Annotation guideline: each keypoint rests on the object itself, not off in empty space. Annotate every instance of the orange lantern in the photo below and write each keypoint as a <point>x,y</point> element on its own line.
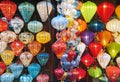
<point>34,47</point>
<point>8,8</point>
<point>3,25</point>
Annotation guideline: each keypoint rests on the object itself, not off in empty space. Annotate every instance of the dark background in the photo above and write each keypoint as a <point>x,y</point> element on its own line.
<point>53,62</point>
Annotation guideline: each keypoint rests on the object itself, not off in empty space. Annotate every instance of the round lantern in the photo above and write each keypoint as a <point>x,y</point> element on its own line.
<point>59,22</point>
<point>43,37</point>
<point>26,37</point>
<point>3,25</point>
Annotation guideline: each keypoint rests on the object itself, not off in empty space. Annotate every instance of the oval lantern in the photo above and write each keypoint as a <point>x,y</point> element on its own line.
<point>87,37</point>
<point>113,73</point>
<point>59,22</point>
<point>44,9</point>
<point>88,7</point>
<point>8,8</point>
<point>42,78</point>
<point>95,72</point>
<point>34,47</point>
<point>7,77</point>
<point>43,37</point>
<point>3,25</point>
<point>105,37</point>
<point>118,61</point>
<point>113,25</point>
<point>3,46</point>
<point>26,9</point>
<point>2,67</point>
<point>17,47</point>
<point>117,11</point>
<point>26,58</point>
<point>59,48</point>
<point>105,10</point>
<point>96,26</point>
<point>7,56</point>
<point>42,58</point>
<point>8,36</point>
<point>87,59</point>
<point>34,26</point>
<point>26,37</point>
<point>95,48</point>
<point>26,78</point>
<point>34,69</point>
<point>16,69</point>
<point>103,59</point>
<point>113,48</point>
<point>17,24</point>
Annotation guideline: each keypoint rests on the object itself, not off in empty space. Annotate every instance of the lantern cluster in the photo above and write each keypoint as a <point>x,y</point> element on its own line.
<point>94,43</point>
<point>21,43</point>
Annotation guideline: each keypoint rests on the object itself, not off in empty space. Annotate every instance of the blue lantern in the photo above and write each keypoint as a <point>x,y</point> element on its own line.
<point>34,69</point>
<point>7,77</point>
<point>42,58</point>
<point>26,78</point>
<point>34,26</point>
<point>26,9</point>
<point>16,69</point>
<point>59,22</point>
<point>78,13</point>
<point>96,26</point>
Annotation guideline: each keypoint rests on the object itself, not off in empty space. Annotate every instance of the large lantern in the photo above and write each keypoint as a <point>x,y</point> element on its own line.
<point>26,9</point>
<point>3,25</point>
<point>8,8</point>
<point>44,9</point>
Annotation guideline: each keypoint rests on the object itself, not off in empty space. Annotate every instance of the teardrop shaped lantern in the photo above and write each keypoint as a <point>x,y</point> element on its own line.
<point>34,26</point>
<point>8,8</point>
<point>3,25</point>
<point>44,9</point>
<point>59,22</point>
<point>26,9</point>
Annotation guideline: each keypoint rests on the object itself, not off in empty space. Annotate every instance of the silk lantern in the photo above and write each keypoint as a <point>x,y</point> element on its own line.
<point>26,78</point>
<point>3,46</point>
<point>103,59</point>
<point>105,37</point>
<point>43,37</point>
<point>8,8</point>
<point>113,73</point>
<point>105,10</point>
<point>42,78</point>
<point>8,36</point>
<point>113,48</point>
<point>17,47</point>
<point>26,58</point>
<point>118,61</point>
<point>34,69</point>
<point>2,67</point>
<point>17,24</point>
<point>87,59</point>
<point>26,37</point>
<point>59,48</point>
<point>26,9</point>
<point>34,47</point>
<point>3,25</point>
<point>59,22</point>
<point>44,9</point>
<point>16,69</point>
<point>71,55</point>
<point>7,56</point>
<point>117,11</point>
<point>81,73</point>
<point>88,7</point>
<point>42,58</point>
<point>95,71</point>
<point>7,77</point>
<point>95,48</point>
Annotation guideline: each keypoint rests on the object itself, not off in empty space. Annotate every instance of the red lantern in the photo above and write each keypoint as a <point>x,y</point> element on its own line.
<point>17,47</point>
<point>87,60</point>
<point>59,48</point>
<point>81,73</point>
<point>105,10</point>
<point>2,67</point>
<point>95,48</point>
<point>59,73</point>
<point>75,74</point>
<point>112,72</point>
<point>8,8</point>
<point>71,55</point>
<point>3,25</point>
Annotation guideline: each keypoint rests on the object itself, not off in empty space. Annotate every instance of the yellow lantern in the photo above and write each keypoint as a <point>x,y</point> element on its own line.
<point>7,56</point>
<point>43,37</point>
<point>117,11</point>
